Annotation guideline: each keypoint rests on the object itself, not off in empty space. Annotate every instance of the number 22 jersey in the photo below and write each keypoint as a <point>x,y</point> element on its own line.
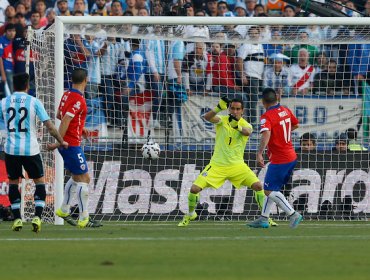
<point>279,121</point>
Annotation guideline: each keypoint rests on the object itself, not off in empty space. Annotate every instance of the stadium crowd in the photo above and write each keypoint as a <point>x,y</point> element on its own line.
<point>181,69</point>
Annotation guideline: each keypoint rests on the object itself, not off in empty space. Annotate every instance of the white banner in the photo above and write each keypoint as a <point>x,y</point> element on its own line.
<point>326,117</point>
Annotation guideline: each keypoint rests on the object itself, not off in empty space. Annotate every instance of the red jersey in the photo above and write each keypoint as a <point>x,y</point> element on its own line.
<point>279,121</point>
<point>222,70</point>
<point>73,104</point>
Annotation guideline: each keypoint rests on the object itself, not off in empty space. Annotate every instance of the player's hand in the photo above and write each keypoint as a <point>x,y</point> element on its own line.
<point>64,145</point>
<point>85,133</point>
<point>260,160</point>
<point>223,104</point>
<point>234,123</point>
<point>53,146</point>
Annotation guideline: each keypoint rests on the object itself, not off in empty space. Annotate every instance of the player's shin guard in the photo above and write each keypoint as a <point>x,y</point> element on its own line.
<point>39,197</point>
<point>15,200</point>
<point>192,201</point>
<point>69,192</point>
<point>259,196</point>
<point>83,199</point>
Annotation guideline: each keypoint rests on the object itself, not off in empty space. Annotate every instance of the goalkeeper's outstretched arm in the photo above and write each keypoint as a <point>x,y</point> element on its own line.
<point>222,105</point>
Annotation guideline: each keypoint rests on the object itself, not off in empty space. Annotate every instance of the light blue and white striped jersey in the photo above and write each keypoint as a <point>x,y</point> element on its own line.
<point>176,51</point>
<point>19,112</point>
<point>155,54</point>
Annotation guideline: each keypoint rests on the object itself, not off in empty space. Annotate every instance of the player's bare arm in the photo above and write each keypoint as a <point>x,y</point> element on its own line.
<point>265,138</point>
<point>54,132</point>
<point>212,117</point>
<point>294,127</point>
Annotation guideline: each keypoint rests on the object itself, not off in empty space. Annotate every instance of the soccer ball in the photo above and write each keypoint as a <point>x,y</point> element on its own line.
<point>151,150</point>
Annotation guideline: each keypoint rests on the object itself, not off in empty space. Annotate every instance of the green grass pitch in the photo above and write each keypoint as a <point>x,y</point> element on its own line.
<point>203,250</point>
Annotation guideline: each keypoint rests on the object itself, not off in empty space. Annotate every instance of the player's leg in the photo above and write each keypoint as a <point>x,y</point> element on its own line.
<point>14,168</point>
<point>35,170</point>
<point>211,176</point>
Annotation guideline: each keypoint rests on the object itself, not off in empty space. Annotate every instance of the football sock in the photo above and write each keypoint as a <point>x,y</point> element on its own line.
<point>15,200</point>
<point>281,202</point>
<point>39,197</point>
<point>266,209</point>
<point>83,199</point>
<point>259,197</point>
<point>192,201</point>
<point>69,191</point>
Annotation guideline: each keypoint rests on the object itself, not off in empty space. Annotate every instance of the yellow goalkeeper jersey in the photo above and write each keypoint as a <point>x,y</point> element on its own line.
<point>230,143</point>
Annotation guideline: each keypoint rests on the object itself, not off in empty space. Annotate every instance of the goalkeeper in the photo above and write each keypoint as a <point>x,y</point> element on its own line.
<point>227,162</point>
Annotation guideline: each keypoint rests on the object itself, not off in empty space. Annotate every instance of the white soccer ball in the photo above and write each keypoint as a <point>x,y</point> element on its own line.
<point>151,150</point>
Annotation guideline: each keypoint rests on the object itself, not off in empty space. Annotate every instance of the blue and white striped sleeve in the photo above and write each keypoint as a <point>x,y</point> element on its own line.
<point>40,111</point>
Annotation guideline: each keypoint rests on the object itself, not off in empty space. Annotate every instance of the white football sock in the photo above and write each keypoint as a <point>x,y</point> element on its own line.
<point>281,202</point>
<point>69,191</point>
<point>83,199</point>
<point>267,204</point>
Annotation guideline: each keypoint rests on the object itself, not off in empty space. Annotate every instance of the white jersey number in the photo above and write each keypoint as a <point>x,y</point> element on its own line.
<point>287,128</point>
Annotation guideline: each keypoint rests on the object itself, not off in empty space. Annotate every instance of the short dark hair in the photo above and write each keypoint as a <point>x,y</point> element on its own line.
<point>351,134</point>
<point>307,137</point>
<point>21,81</point>
<point>9,26</point>
<point>269,96</point>
<point>79,75</point>
<point>237,100</point>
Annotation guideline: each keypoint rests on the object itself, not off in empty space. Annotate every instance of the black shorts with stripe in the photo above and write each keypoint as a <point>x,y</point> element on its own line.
<point>32,164</point>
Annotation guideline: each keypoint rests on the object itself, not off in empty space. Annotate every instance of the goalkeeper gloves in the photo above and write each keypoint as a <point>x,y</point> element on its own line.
<point>223,104</point>
<point>234,123</point>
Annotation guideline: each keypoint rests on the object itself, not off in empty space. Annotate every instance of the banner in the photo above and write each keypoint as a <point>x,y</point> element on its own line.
<point>326,117</point>
<point>323,186</point>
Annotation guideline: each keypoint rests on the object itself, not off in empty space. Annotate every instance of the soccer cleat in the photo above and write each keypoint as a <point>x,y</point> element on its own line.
<point>272,223</point>
<point>65,216</point>
<point>186,220</point>
<point>88,222</point>
<point>295,219</point>
<point>261,222</point>
<point>36,224</point>
<point>17,225</point>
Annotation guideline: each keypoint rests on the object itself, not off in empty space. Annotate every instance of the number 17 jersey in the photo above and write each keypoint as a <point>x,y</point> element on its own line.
<point>279,121</point>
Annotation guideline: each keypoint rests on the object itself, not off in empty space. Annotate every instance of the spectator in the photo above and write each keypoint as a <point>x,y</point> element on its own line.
<point>302,74</point>
<point>80,6</point>
<point>274,48</point>
<point>331,82</point>
<point>28,7</point>
<point>211,8</point>
<point>307,143</point>
<point>251,4</point>
<point>223,70</point>
<point>35,20</point>
<point>176,93</point>
<point>3,5</point>
<point>9,18</point>
<point>6,56</point>
<point>353,144</point>
<point>222,8</point>
<point>41,8</point>
<point>341,144</point>
<point>194,69</point>
<point>62,8</point>
<point>289,32</point>
<point>20,8</point>
<point>350,9</point>
<point>358,58</point>
<point>131,6</point>
<point>277,75</point>
<point>303,39</point>
<point>156,57</point>
<point>136,70</point>
<point>240,9</point>
<point>250,66</point>
<point>116,8</point>
<point>99,7</point>
<point>259,9</point>
<point>50,15</point>
<point>321,63</point>
<point>275,8</point>
<point>157,9</point>
<point>367,8</point>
